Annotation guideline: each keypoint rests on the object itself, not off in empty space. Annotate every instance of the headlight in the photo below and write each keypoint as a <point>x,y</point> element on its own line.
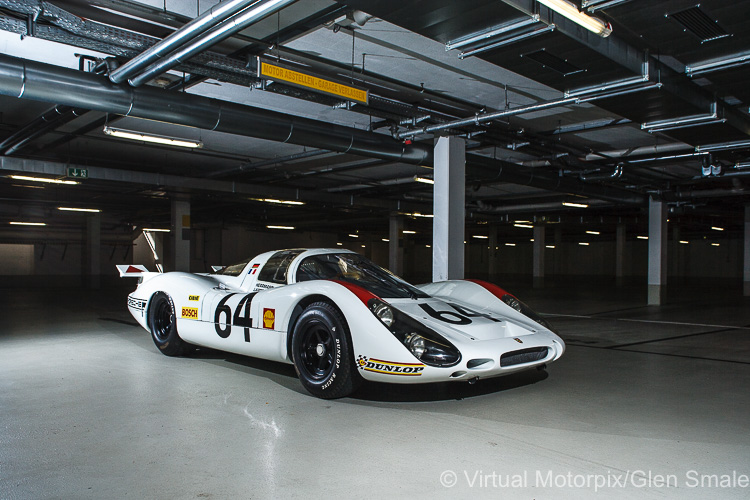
<point>425,344</point>
<point>525,310</point>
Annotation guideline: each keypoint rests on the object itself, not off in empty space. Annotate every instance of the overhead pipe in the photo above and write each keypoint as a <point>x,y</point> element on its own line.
<point>233,25</point>
<point>48,83</point>
<point>47,121</point>
<point>188,32</point>
<point>601,175</point>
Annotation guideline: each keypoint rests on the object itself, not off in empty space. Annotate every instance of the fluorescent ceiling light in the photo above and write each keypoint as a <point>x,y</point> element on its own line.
<point>523,225</point>
<point>157,139</point>
<point>592,232</point>
<point>42,179</point>
<point>28,223</point>
<point>532,239</point>
<point>417,214</point>
<point>339,244</point>
<point>428,246</point>
<point>156,230</point>
<point>571,11</point>
<point>354,235</point>
<point>642,237</point>
<point>522,221</point>
<point>576,205</point>
<point>549,246</point>
<point>406,231</point>
<point>717,228</point>
<point>480,237</point>
<point>423,180</point>
<point>510,244</point>
<point>363,246</point>
<point>684,242</point>
<point>280,227</point>
<point>72,209</point>
<point>274,200</point>
<point>583,243</point>
<point>385,239</point>
<point>714,244</point>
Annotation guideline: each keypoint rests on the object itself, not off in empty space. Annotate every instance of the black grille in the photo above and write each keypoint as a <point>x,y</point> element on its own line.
<point>697,22</point>
<point>523,356</point>
<point>552,62</point>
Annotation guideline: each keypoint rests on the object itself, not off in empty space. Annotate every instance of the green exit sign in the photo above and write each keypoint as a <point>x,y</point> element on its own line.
<point>78,173</point>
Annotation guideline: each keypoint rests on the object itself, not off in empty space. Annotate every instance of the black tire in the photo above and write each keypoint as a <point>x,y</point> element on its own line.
<point>162,320</point>
<point>322,352</point>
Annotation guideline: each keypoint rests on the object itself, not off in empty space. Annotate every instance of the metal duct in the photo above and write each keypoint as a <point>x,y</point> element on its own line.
<point>491,170</point>
<point>601,175</point>
<point>48,121</point>
<point>48,83</point>
<point>233,25</point>
<point>197,26</point>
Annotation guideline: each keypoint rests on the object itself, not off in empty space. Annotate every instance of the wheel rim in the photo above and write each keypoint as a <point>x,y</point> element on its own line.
<point>316,351</point>
<point>163,320</point>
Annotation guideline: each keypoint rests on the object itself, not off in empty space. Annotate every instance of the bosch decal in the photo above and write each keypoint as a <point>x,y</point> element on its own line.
<point>269,318</point>
<point>389,367</point>
<point>190,313</point>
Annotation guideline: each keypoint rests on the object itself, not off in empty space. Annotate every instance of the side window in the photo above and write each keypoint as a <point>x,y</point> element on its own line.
<point>275,269</point>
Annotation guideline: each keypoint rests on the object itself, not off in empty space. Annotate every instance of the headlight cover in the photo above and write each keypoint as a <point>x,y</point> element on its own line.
<point>425,344</point>
<point>519,306</point>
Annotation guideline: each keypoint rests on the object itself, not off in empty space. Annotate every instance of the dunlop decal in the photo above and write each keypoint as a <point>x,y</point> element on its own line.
<point>390,367</point>
<point>190,313</point>
<point>269,318</point>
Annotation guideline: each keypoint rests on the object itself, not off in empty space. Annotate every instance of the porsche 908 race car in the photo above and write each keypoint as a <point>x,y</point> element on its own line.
<point>339,318</point>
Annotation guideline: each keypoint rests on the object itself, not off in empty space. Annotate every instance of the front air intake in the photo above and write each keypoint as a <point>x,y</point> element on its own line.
<point>523,356</point>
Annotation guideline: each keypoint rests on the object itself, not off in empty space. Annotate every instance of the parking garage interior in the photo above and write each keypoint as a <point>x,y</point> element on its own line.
<point>588,156</point>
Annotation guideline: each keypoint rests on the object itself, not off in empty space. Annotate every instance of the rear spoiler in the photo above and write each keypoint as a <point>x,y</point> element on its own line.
<point>135,271</point>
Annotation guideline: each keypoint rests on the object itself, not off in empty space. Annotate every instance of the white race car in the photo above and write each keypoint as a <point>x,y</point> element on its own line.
<point>340,318</point>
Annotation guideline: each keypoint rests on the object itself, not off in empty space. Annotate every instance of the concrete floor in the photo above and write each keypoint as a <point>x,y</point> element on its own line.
<point>647,402</point>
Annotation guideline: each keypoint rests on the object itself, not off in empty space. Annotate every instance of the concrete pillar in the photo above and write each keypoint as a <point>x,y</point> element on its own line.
<point>180,235</point>
<point>449,194</point>
<point>493,253</point>
<point>538,255</point>
<point>746,264</point>
<point>657,252</point>
<point>620,253</point>
<point>396,245</point>
<point>93,250</point>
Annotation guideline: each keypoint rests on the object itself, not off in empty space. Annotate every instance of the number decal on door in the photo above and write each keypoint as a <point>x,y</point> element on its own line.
<point>240,318</point>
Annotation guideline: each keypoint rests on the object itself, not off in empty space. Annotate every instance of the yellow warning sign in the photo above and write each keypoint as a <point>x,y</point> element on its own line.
<point>275,72</point>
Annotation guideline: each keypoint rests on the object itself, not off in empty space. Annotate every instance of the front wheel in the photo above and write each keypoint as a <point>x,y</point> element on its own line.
<point>322,352</point>
<point>162,320</point>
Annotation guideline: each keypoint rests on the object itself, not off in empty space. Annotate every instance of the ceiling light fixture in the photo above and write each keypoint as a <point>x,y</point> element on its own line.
<point>42,179</point>
<point>642,237</point>
<point>576,205</point>
<point>282,202</point>
<point>717,228</point>
<point>523,225</point>
<point>684,242</point>
<point>714,244</point>
<point>569,10</point>
<point>157,139</point>
<point>549,246</point>
<point>593,232</point>
<point>583,243</point>
<point>510,244</point>
<point>354,235</point>
<point>406,231</point>
<point>14,223</point>
<point>418,214</point>
<point>156,230</point>
<point>72,209</point>
<point>288,228</point>
<point>423,180</point>
<point>480,237</point>
<point>385,239</point>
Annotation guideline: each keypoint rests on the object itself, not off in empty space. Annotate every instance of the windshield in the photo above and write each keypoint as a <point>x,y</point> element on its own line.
<point>233,270</point>
<point>353,268</point>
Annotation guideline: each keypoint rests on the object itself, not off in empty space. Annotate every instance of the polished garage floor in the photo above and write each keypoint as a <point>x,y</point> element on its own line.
<point>647,402</point>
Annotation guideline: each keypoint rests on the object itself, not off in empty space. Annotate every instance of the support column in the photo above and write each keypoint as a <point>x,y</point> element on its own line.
<point>180,235</point>
<point>93,250</point>
<point>538,257</point>
<point>396,245</point>
<point>657,251</point>
<point>746,265</point>
<point>493,253</point>
<point>449,194</point>
<point>620,253</point>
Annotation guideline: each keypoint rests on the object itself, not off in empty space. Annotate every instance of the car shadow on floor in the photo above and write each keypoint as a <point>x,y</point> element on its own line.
<point>446,391</point>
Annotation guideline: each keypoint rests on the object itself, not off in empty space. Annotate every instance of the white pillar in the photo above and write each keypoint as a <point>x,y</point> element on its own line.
<point>538,256</point>
<point>180,235</point>
<point>746,265</point>
<point>620,252</point>
<point>93,250</point>
<point>657,251</point>
<point>449,200</point>
<point>396,245</point>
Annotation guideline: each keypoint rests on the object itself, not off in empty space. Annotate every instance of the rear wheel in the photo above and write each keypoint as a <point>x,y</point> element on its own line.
<point>162,320</point>
<point>322,352</point>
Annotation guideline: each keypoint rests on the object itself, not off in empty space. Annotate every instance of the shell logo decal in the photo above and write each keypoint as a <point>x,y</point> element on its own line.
<point>269,318</point>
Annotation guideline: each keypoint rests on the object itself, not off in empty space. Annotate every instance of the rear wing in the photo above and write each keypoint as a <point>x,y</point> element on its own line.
<point>129,271</point>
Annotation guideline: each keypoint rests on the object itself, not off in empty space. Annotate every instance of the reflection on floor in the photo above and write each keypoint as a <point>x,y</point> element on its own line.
<point>647,401</point>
